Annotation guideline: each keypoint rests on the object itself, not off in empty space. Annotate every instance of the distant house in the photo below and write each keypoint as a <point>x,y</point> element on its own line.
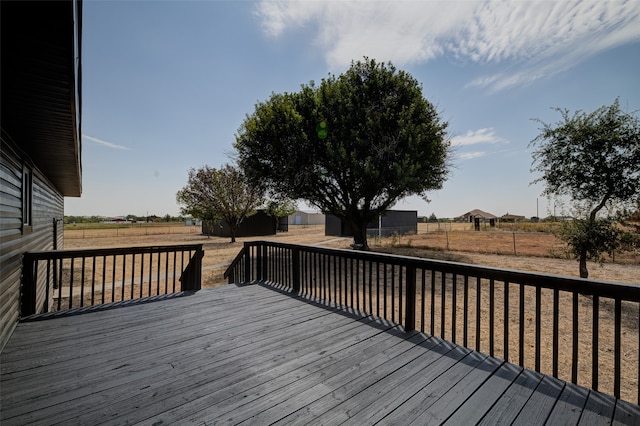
<point>511,218</point>
<point>392,221</point>
<point>557,218</point>
<point>306,218</point>
<point>478,216</point>
<point>257,225</point>
<point>116,220</point>
<point>40,139</point>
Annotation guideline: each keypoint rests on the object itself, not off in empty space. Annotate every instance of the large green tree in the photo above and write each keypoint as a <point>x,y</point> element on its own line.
<point>352,146</point>
<point>594,159</point>
<point>220,194</point>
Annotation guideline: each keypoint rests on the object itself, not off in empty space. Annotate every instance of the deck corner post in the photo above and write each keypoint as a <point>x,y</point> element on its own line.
<point>197,279</point>
<point>410,306</point>
<point>28,290</point>
<point>247,261</point>
<point>295,255</point>
<point>265,255</point>
<point>259,261</point>
<point>192,275</point>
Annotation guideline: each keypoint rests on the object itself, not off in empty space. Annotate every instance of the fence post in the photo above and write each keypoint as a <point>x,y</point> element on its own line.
<point>410,306</point>
<point>295,258</point>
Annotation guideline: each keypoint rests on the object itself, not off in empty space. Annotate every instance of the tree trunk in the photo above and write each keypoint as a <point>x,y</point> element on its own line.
<point>360,236</point>
<point>233,227</point>
<point>233,230</point>
<point>584,273</point>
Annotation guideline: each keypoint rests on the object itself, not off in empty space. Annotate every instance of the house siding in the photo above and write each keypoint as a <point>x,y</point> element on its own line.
<point>304,218</point>
<point>46,231</point>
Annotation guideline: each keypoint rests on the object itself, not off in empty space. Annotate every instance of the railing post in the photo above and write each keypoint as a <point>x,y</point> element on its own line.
<point>259,261</point>
<point>192,275</point>
<point>295,258</point>
<point>197,277</point>
<point>264,249</point>
<point>410,297</point>
<point>247,262</point>
<point>28,296</point>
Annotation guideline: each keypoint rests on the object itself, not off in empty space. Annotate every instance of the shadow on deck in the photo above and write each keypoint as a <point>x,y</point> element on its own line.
<point>256,354</point>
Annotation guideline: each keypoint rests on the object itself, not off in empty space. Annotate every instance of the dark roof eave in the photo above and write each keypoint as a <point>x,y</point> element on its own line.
<point>41,87</point>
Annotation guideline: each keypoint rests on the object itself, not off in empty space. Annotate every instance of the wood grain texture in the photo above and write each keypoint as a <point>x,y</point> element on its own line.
<point>251,354</point>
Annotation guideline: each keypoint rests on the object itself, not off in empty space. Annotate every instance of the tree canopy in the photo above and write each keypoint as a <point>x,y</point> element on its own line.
<point>594,159</point>
<point>352,146</point>
<point>220,194</point>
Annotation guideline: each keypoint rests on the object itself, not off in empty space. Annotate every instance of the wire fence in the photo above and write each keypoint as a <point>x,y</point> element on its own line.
<point>129,231</point>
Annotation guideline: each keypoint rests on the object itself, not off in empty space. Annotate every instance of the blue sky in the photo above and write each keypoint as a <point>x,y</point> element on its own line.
<point>166,84</point>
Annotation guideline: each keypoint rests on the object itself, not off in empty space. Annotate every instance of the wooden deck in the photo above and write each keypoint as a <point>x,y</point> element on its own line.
<point>254,355</point>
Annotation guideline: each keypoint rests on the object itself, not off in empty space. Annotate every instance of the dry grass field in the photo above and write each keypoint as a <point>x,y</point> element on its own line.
<point>490,248</point>
<point>219,252</point>
<point>452,242</point>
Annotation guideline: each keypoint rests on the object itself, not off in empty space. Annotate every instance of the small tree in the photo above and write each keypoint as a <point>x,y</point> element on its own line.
<point>594,159</point>
<point>594,238</point>
<point>224,194</point>
<point>352,146</point>
<point>280,207</point>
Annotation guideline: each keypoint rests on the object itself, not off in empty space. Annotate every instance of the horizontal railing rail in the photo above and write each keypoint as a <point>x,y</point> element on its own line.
<point>66,279</point>
<point>578,330</point>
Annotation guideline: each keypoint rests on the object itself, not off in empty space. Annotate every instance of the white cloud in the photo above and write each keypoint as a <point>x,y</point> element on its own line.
<point>474,137</point>
<point>470,155</point>
<point>536,38</point>
<point>485,135</point>
<point>277,16</point>
<point>105,143</point>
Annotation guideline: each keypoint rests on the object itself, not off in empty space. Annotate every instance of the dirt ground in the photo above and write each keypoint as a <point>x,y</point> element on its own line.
<point>468,248</point>
<point>219,252</point>
<point>480,249</point>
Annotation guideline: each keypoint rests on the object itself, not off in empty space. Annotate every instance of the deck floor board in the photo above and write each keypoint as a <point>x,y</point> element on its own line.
<point>478,404</point>
<point>254,354</point>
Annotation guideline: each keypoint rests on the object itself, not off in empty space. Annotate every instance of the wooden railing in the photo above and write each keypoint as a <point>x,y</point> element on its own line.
<point>578,330</point>
<point>66,279</point>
